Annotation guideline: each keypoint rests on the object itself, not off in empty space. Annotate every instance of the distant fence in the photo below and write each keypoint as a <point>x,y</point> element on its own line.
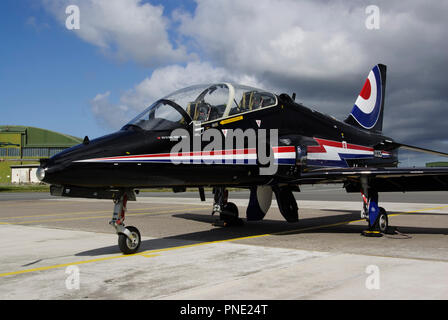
<point>9,152</point>
<point>29,152</point>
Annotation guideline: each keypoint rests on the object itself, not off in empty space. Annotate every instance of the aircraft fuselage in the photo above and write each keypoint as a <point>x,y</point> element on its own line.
<point>126,158</point>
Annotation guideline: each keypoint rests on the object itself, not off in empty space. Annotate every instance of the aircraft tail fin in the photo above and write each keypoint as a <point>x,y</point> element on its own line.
<point>367,113</point>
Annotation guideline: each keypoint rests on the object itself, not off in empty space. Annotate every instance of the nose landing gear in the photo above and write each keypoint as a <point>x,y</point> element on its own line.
<point>129,238</point>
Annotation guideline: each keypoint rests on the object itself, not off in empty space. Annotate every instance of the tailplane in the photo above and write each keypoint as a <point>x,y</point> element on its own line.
<point>367,113</point>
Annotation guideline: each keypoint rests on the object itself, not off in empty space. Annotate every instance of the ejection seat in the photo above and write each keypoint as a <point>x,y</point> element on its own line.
<point>199,111</point>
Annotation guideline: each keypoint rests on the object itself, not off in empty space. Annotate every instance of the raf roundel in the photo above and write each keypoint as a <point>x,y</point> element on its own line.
<point>366,110</point>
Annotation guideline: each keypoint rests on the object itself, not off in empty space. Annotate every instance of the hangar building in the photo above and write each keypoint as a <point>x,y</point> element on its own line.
<point>20,144</point>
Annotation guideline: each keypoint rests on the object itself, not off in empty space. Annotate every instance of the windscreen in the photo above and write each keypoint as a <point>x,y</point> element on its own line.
<point>159,116</point>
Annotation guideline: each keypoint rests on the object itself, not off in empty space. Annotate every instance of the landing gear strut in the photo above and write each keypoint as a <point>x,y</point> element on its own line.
<point>129,238</point>
<point>375,216</point>
<point>228,211</point>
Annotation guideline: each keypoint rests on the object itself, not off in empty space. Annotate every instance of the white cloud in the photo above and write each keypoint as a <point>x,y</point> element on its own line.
<point>320,40</point>
<point>127,30</point>
<point>290,37</point>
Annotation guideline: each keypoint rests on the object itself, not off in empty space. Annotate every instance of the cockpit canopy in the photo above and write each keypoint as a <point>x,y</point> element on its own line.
<point>202,103</point>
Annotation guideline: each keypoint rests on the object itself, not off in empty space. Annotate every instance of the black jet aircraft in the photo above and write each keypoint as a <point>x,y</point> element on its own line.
<point>309,148</point>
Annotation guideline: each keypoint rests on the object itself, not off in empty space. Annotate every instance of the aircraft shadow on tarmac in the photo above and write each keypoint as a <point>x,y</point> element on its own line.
<point>335,224</point>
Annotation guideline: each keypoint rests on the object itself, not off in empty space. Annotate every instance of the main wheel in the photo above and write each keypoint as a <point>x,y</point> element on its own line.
<point>229,215</point>
<point>128,246</point>
<point>383,222</point>
<point>287,204</point>
<point>230,209</point>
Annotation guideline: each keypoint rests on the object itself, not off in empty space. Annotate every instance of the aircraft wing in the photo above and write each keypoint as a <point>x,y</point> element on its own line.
<point>390,145</point>
<point>382,179</point>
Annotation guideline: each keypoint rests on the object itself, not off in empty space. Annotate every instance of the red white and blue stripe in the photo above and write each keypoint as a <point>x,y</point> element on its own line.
<point>330,153</point>
<point>285,155</point>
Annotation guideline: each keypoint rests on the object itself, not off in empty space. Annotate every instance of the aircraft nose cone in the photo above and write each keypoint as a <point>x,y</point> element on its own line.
<point>40,173</point>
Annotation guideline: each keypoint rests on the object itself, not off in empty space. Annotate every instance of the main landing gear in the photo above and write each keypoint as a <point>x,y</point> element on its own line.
<point>228,211</point>
<point>129,238</point>
<point>375,216</point>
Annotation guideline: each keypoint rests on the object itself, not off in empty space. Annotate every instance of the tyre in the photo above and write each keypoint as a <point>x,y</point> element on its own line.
<point>230,209</point>
<point>126,245</point>
<point>287,204</point>
<point>229,215</point>
<point>383,223</point>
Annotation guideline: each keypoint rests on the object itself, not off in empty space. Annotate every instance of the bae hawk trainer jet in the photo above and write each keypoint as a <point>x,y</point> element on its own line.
<point>308,147</point>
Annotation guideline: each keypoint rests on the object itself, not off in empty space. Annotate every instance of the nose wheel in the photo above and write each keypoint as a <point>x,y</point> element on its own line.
<point>129,245</point>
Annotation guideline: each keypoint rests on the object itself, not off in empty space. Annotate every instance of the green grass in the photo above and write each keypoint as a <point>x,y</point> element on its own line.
<point>5,171</point>
<point>24,188</point>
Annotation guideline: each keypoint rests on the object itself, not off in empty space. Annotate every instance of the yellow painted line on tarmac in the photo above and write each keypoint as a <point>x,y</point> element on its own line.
<point>60,266</point>
<point>153,253</point>
<point>150,255</point>
<point>362,220</point>
<point>77,213</point>
<point>358,220</point>
<point>104,216</point>
<point>33,202</point>
<point>419,210</point>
